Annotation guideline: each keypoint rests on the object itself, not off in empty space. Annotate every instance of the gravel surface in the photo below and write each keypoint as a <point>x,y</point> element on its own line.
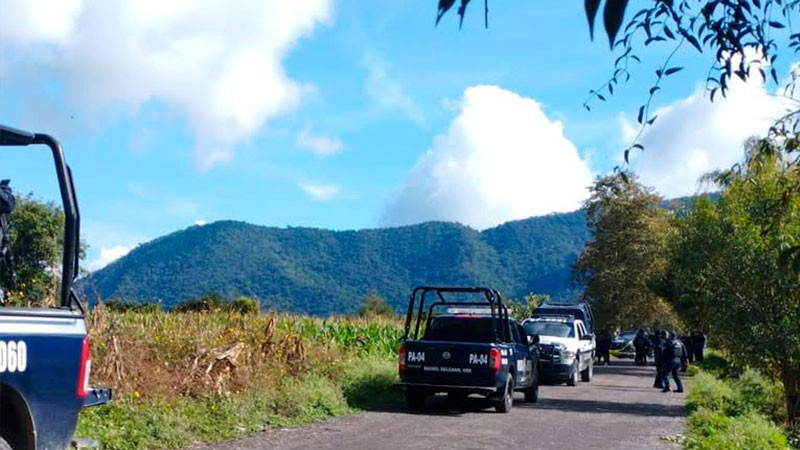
<point>618,409</point>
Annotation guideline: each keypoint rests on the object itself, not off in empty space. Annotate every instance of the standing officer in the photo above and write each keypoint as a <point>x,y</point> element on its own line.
<point>674,356</point>
<point>604,347</point>
<point>698,345</point>
<point>640,345</point>
<point>688,344</point>
<point>658,350</point>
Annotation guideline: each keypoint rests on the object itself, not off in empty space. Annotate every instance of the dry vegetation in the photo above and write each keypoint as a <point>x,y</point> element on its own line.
<point>181,378</point>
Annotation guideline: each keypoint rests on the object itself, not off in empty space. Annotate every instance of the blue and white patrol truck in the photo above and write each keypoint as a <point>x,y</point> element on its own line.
<point>44,352</point>
<point>463,347</point>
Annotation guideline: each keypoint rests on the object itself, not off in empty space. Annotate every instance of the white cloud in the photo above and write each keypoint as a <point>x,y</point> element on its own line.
<point>321,192</point>
<point>501,159</point>
<point>318,144</point>
<point>107,256</point>
<point>216,63</point>
<point>388,93</point>
<point>200,223</point>
<point>693,136</point>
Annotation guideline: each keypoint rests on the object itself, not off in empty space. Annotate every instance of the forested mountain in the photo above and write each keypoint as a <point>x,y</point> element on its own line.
<point>321,272</point>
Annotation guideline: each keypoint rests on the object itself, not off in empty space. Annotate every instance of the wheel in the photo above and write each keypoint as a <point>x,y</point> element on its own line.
<point>586,374</point>
<point>532,393</point>
<point>415,399</point>
<point>4,445</point>
<point>573,375</point>
<point>504,404</point>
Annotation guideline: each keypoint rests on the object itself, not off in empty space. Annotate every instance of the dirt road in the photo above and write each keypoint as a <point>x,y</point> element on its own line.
<point>619,409</point>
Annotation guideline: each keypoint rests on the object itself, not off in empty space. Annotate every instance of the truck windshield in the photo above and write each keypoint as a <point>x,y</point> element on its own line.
<point>462,329</point>
<point>554,329</point>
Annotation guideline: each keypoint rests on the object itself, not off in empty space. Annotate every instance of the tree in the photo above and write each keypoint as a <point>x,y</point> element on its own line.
<point>37,239</point>
<point>730,265</point>
<point>375,305</point>
<point>523,309</point>
<point>626,253</point>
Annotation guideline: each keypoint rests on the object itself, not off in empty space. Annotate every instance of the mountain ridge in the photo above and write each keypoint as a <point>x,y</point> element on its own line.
<point>320,272</point>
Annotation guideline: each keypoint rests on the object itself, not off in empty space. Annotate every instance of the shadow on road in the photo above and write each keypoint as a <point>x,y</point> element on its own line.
<point>599,406</point>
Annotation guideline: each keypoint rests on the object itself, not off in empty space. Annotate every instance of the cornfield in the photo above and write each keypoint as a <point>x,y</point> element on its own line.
<point>157,354</point>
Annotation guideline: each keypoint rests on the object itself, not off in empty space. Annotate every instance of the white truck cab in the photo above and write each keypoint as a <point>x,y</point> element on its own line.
<point>566,349</point>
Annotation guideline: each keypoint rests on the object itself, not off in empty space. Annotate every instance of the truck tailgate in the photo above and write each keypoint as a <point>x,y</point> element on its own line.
<point>448,364</point>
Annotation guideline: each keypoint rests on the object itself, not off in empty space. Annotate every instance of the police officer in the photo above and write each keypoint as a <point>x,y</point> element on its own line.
<point>688,344</point>
<point>604,347</point>
<point>658,350</point>
<point>640,345</point>
<point>674,357</point>
<point>698,345</point>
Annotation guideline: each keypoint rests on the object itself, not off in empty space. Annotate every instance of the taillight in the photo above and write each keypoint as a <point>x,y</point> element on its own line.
<point>85,368</point>
<point>494,360</point>
<point>401,358</point>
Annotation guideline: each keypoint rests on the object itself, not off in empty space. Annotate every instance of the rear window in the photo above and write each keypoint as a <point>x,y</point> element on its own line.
<point>462,329</point>
<point>554,329</point>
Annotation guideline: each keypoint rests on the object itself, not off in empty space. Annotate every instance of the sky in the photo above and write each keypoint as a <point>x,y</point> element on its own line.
<point>340,114</point>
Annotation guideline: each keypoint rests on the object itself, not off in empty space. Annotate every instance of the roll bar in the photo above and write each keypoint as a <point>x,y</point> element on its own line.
<point>492,297</point>
<point>69,263</point>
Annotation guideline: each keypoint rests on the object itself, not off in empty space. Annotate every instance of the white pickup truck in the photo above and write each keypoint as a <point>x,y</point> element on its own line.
<point>566,349</point>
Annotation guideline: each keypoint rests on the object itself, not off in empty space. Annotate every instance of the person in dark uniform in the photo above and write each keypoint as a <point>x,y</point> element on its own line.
<point>604,347</point>
<point>698,345</point>
<point>674,356</point>
<point>658,350</point>
<point>687,340</point>
<point>640,346</point>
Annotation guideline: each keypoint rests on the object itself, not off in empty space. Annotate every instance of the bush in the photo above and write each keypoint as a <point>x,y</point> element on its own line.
<point>375,305</point>
<point>712,430</point>
<point>132,306</point>
<point>756,393</point>
<point>211,302</point>
<point>243,305</point>
<point>711,393</point>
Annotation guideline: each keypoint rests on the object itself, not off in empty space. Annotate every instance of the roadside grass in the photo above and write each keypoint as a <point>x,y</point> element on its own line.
<point>733,409</point>
<point>188,378</point>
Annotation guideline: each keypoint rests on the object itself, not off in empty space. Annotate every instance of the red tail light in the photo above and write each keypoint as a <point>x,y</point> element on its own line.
<point>494,359</point>
<point>85,368</point>
<point>401,358</point>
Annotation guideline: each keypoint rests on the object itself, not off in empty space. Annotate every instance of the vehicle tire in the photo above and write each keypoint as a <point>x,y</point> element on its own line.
<point>4,445</point>
<point>506,401</point>
<point>532,393</point>
<point>415,399</point>
<point>573,375</point>
<point>586,374</point>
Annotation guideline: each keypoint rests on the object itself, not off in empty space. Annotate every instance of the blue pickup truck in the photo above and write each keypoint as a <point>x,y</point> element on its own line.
<point>462,347</point>
<point>44,352</point>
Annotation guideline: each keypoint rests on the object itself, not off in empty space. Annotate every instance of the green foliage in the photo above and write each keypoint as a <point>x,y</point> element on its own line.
<point>741,412</point>
<point>712,430</point>
<point>243,305</point>
<point>131,306</point>
<point>626,254</point>
<point>523,309</point>
<point>210,302</point>
<point>728,271</point>
<point>37,236</point>
<point>375,305</point>
<point>323,272</point>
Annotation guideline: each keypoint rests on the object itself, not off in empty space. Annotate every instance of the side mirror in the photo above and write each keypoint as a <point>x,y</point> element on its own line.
<point>533,339</point>
<point>587,337</point>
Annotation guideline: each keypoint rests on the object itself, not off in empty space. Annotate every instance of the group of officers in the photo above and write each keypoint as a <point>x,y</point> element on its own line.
<point>672,353</point>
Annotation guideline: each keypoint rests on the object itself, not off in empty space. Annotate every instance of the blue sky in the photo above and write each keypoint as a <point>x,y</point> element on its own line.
<point>337,114</point>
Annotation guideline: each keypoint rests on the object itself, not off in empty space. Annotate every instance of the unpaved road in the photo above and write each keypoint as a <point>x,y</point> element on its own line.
<point>619,409</point>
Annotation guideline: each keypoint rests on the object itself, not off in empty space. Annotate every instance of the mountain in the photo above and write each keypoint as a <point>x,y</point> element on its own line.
<point>323,272</point>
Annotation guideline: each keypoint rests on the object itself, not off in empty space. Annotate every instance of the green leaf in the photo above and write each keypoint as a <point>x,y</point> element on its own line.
<point>591,7</point>
<point>444,6</point>
<point>613,15</point>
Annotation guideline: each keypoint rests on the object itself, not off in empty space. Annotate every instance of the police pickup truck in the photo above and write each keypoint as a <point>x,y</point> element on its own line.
<point>566,349</point>
<point>465,347</point>
<point>44,352</point>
